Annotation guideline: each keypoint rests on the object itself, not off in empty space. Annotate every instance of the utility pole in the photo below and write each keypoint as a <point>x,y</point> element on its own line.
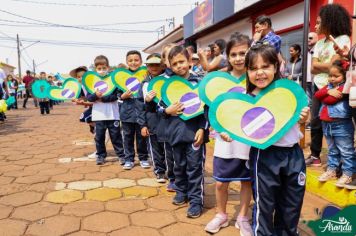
<point>34,66</point>
<point>171,22</point>
<point>19,55</point>
<point>305,57</point>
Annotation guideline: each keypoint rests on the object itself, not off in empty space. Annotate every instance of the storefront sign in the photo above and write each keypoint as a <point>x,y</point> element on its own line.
<point>203,15</point>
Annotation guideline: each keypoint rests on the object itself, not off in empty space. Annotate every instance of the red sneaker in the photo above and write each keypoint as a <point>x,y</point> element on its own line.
<point>313,161</point>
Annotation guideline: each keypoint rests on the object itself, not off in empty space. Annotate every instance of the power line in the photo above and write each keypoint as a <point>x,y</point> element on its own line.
<point>76,43</point>
<point>102,5</point>
<point>46,23</point>
<point>107,24</point>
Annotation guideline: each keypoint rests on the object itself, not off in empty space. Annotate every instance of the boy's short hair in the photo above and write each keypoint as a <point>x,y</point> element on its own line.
<point>101,60</point>
<point>264,19</point>
<point>42,73</point>
<point>133,52</point>
<point>178,50</point>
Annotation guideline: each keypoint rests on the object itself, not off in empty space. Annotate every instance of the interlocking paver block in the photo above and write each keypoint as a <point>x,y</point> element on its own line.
<point>140,191</point>
<point>88,233</point>
<point>126,206</point>
<point>5,211</point>
<point>181,229</point>
<point>103,194</point>
<point>20,199</point>
<point>135,231</point>
<point>84,185</point>
<point>60,186</point>
<point>105,222</point>
<point>82,208</point>
<point>69,177</point>
<point>32,179</point>
<point>162,203</point>
<point>149,182</point>
<point>64,196</point>
<point>56,225</point>
<point>132,174</point>
<point>100,176</point>
<point>119,183</point>
<point>12,227</point>
<point>36,211</point>
<point>5,180</point>
<point>152,219</point>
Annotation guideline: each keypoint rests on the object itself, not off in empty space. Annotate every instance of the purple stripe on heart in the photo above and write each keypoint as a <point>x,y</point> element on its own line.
<point>135,81</point>
<point>67,93</point>
<point>263,123</point>
<point>191,108</point>
<point>237,89</point>
<point>101,86</point>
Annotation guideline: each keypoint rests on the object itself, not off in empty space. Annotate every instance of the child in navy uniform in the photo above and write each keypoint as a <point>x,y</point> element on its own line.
<point>148,118</point>
<point>43,102</point>
<point>187,139</point>
<point>278,172</point>
<point>105,114</point>
<point>128,114</point>
<point>161,128</point>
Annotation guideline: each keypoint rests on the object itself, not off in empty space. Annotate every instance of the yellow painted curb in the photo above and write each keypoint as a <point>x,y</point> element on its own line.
<point>328,190</point>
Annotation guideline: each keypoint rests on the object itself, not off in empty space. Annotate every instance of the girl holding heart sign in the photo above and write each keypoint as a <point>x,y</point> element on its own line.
<point>230,158</point>
<point>278,172</point>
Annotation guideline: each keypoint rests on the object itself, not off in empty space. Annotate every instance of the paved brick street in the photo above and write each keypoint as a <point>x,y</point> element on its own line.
<point>49,187</point>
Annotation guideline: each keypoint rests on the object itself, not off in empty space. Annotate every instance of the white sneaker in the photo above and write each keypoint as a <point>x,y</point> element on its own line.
<point>93,155</point>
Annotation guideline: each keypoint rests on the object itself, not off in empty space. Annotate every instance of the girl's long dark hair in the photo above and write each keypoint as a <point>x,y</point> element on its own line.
<point>335,20</point>
<point>268,54</point>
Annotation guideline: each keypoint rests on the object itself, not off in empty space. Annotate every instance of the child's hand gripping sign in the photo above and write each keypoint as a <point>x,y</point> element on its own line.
<point>183,96</point>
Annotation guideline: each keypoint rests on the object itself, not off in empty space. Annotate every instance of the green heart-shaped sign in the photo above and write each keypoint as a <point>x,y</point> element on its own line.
<point>178,89</point>
<point>156,84</point>
<point>262,120</point>
<point>217,83</point>
<point>69,90</point>
<point>92,81</point>
<point>40,88</point>
<point>125,79</point>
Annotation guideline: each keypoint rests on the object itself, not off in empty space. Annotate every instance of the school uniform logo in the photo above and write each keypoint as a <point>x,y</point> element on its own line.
<point>301,179</point>
<point>116,124</point>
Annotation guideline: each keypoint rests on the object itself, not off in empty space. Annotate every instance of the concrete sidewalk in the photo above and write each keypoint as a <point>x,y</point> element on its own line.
<point>49,187</point>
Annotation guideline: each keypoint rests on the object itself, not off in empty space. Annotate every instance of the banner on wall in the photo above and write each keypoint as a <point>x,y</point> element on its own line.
<point>203,15</point>
<point>242,4</point>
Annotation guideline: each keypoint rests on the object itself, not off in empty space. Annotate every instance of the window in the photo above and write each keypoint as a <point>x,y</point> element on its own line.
<point>289,38</point>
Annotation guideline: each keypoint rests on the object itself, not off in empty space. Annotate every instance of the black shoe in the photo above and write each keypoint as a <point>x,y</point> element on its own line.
<point>121,161</point>
<point>194,211</point>
<point>161,178</point>
<point>179,200</point>
<point>100,161</point>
